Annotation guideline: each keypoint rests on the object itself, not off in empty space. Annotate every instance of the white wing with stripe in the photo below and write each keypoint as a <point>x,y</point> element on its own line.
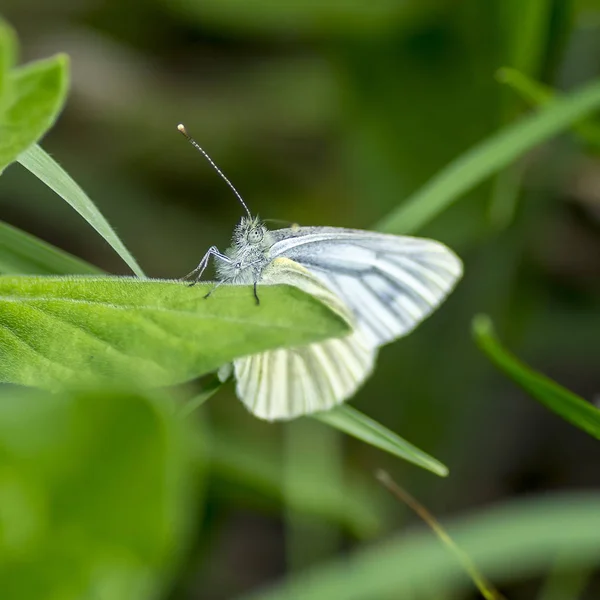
<point>286,383</point>
<point>391,283</point>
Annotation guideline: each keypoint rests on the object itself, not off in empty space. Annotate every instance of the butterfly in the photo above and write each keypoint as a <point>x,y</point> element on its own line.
<point>383,285</point>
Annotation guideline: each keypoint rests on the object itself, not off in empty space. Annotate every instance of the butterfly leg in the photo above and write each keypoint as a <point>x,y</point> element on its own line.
<point>256,293</point>
<point>214,288</point>
<point>197,272</point>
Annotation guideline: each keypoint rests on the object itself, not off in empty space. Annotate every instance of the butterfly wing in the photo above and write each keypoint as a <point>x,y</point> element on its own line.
<point>286,383</point>
<point>390,283</point>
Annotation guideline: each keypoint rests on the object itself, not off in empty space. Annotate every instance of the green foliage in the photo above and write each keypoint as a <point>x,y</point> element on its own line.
<point>60,331</point>
<point>558,399</point>
<point>402,90</point>
<point>95,491</point>
<point>24,254</point>
<point>31,98</point>
<point>354,423</point>
<point>260,466</point>
<point>488,157</point>
<point>309,16</point>
<point>537,94</point>
<point>508,542</point>
<point>43,166</point>
<point>8,51</point>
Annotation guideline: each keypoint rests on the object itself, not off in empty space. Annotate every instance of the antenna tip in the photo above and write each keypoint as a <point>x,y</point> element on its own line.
<point>182,128</point>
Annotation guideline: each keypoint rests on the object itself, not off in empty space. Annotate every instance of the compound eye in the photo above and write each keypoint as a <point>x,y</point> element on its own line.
<point>255,235</point>
<point>238,265</point>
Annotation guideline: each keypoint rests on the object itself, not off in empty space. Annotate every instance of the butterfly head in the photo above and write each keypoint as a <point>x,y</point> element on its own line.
<point>251,231</point>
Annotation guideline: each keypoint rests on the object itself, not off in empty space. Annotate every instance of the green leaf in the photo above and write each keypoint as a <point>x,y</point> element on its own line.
<point>57,331</point>
<point>515,540</point>
<point>490,156</point>
<point>24,254</point>
<point>558,399</point>
<point>43,166</point>
<point>38,91</point>
<point>354,423</point>
<point>94,494</point>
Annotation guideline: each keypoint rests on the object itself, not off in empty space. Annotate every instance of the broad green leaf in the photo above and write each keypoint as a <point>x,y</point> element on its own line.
<point>8,52</point>
<point>515,540</point>
<point>37,94</point>
<point>354,423</point>
<point>490,156</point>
<point>24,254</point>
<point>57,331</point>
<point>558,399</point>
<point>43,166</point>
<point>95,492</point>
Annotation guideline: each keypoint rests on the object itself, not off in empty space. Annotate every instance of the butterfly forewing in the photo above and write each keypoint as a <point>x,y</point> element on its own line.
<point>391,283</point>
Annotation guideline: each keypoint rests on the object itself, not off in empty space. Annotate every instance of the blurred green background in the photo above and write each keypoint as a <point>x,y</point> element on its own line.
<point>330,113</point>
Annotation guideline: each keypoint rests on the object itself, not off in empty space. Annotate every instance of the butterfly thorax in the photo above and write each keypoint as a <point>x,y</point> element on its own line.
<point>249,252</point>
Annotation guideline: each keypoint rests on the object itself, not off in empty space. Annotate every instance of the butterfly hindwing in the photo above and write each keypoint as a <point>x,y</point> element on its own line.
<point>288,382</point>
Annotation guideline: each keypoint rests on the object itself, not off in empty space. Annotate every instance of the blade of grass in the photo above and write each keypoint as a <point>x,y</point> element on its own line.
<point>529,26</point>
<point>565,582</point>
<point>517,539</point>
<point>8,57</point>
<point>257,465</point>
<point>538,94</point>
<point>484,586</point>
<point>43,166</point>
<point>558,399</point>
<point>199,399</point>
<point>311,453</point>
<point>24,254</point>
<point>489,157</point>
<point>354,423</point>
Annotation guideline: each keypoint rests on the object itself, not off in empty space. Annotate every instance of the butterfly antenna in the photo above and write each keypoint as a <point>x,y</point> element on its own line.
<point>196,145</point>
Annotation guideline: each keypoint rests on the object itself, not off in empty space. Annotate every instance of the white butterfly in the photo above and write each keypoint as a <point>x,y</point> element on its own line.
<point>383,285</point>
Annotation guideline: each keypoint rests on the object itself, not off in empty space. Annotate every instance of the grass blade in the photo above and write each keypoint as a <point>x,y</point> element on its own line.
<point>537,94</point>
<point>558,399</point>
<point>44,167</point>
<point>515,540</point>
<point>488,157</point>
<point>354,423</point>
<point>485,588</point>
<point>24,254</point>
<point>198,400</point>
